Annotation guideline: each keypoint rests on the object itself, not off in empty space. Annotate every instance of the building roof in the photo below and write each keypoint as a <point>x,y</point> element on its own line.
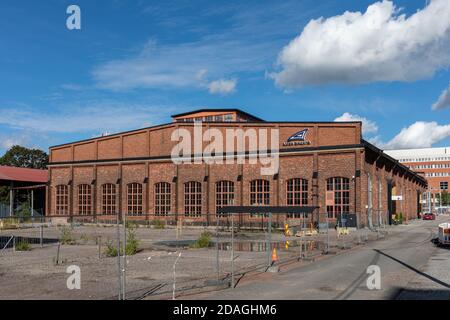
<point>393,160</point>
<point>217,110</point>
<point>415,153</point>
<point>23,174</point>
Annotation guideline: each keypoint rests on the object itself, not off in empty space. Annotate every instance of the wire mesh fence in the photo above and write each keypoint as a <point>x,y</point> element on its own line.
<point>156,257</point>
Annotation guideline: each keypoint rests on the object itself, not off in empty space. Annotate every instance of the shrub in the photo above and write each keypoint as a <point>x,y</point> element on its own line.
<point>111,250</point>
<point>158,224</point>
<point>84,238</point>
<point>131,248</point>
<point>66,235</point>
<point>130,224</point>
<point>132,242</point>
<point>23,245</point>
<point>204,241</point>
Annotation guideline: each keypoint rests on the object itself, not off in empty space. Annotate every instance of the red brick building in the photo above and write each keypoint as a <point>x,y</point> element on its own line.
<point>322,164</point>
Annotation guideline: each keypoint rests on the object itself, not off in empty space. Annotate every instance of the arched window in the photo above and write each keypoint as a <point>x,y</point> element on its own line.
<point>259,192</point>
<point>84,199</point>
<point>338,196</point>
<point>192,199</point>
<point>162,198</point>
<point>62,199</point>
<point>296,194</point>
<point>109,198</point>
<point>134,195</point>
<point>224,194</point>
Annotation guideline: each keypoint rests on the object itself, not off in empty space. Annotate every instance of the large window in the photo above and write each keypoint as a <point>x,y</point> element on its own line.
<point>224,194</point>
<point>443,185</point>
<point>62,200</point>
<point>134,194</point>
<point>192,199</point>
<point>339,202</point>
<point>296,194</point>
<point>260,192</point>
<point>162,198</point>
<point>84,199</point>
<point>109,198</point>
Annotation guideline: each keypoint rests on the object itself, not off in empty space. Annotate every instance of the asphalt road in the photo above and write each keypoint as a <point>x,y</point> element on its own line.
<point>402,256</point>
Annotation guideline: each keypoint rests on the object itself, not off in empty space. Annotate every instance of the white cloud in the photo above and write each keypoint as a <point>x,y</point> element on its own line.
<point>222,86</point>
<point>180,65</point>
<point>368,126</point>
<point>418,135</point>
<point>378,45</point>
<point>6,142</point>
<point>443,101</point>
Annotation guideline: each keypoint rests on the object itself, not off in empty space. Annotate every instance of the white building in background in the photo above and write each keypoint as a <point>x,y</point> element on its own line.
<point>433,164</point>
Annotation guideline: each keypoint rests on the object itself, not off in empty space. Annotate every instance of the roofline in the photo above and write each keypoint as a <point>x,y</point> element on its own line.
<point>191,123</point>
<point>217,110</point>
<point>385,155</point>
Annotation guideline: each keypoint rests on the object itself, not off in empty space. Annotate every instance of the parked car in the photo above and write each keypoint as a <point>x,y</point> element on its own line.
<point>429,216</point>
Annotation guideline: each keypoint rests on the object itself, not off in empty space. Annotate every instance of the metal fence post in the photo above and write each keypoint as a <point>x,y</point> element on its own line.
<point>232,251</point>
<point>119,274</point>
<point>217,248</point>
<point>269,240</point>
<point>99,242</point>
<point>41,236</point>
<point>124,256</point>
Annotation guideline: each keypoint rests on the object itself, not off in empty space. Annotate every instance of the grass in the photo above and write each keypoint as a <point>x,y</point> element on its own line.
<point>158,224</point>
<point>131,248</point>
<point>204,241</point>
<point>23,245</point>
<point>111,250</point>
<point>10,223</point>
<point>66,236</point>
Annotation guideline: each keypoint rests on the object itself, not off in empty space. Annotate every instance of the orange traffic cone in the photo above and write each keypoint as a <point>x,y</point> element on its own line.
<point>274,255</point>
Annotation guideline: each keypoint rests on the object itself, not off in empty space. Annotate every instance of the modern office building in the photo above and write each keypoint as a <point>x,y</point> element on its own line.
<point>433,164</point>
<point>326,165</point>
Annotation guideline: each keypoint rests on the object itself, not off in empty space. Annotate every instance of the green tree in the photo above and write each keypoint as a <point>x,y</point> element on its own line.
<point>445,198</point>
<point>19,156</point>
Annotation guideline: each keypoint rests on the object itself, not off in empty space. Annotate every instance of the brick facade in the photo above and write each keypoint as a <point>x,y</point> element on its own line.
<point>143,156</point>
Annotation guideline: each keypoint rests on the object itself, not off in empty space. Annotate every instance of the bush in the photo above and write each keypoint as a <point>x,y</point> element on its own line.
<point>111,250</point>
<point>131,248</point>
<point>23,245</point>
<point>66,235</point>
<point>158,224</point>
<point>204,241</point>
<point>132,243</point>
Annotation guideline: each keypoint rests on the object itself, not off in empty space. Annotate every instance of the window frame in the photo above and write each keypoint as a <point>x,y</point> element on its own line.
<point>62,200</point>
<point>193,201</point>
<point>224,194</point>
<point>109,201</point>
<point>84,199</point>
<point>297,194</point>
<point>341,196</point>
<point>163,198</point>
<point>135,199</point>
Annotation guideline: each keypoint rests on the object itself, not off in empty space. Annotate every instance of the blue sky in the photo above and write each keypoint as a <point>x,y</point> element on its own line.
<point>134,63</point>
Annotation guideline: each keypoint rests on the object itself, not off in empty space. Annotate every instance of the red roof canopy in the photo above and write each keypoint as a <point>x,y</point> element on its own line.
<point>23,174</point>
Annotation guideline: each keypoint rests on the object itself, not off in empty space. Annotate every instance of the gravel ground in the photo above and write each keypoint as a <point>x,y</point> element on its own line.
<point>34,274</point>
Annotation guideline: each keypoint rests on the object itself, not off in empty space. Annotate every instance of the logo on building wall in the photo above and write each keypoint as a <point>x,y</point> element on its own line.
<point>298,139</point>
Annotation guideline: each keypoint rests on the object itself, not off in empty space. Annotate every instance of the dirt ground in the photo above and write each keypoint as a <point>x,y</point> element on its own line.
<point>34,274</point>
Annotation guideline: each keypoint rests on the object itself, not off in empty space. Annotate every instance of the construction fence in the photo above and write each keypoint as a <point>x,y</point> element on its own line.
<point>159,258</point>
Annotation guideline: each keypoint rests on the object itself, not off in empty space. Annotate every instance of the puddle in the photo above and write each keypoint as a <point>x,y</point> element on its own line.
<point>251,246</point>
